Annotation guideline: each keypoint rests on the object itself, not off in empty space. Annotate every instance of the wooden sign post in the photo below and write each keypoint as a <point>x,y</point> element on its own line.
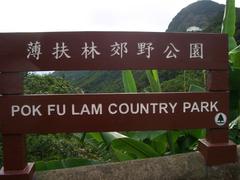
<point>22,114</point>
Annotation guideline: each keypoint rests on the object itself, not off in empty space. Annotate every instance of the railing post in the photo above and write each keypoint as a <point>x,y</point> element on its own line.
<point>15,165</point>
<point>216,147</point>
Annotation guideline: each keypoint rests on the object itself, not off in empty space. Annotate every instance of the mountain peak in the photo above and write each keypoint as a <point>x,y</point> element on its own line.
<point>199,14</point>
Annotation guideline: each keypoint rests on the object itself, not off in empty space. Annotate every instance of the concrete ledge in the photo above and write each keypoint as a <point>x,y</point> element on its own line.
<point>181,166</point>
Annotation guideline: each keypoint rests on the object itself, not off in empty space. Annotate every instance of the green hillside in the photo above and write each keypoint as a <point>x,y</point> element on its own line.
<point>109,81</point>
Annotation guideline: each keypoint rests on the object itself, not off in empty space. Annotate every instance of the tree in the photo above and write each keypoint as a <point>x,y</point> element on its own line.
<point>47,84</point>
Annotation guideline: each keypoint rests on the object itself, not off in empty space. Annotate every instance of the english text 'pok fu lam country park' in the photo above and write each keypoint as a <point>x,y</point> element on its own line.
<point>114,108</point>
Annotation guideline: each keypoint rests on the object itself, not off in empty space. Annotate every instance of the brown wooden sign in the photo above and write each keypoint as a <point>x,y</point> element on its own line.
<point>111,51</point>
<point>113,112</point>
<point>20,114</point>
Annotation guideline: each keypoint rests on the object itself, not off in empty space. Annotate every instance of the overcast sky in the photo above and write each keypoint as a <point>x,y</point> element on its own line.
<point>90,15</point>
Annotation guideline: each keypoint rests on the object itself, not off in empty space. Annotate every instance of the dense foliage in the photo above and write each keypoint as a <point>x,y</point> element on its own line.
<point>54,150</point>
<point>46,84</point>
<point>109,81</point>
